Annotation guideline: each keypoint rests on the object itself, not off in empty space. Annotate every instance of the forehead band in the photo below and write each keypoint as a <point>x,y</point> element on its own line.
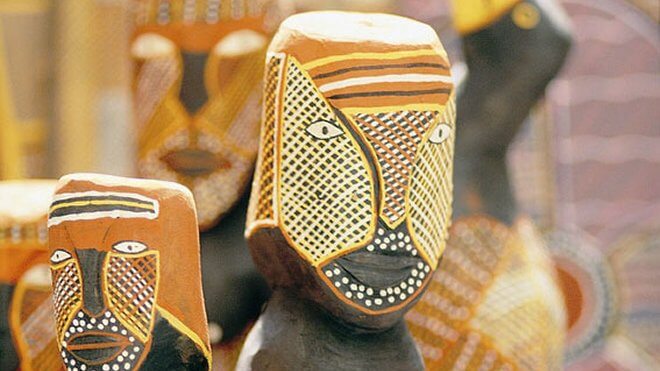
<point>92,205</point>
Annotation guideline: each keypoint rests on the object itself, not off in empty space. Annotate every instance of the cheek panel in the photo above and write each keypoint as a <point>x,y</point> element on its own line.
<point>430,192</point>
<point>326,192</point>
<point>67,294</point>
<point>394,137</point>
<point>131,284</point>
<point>261,200</point>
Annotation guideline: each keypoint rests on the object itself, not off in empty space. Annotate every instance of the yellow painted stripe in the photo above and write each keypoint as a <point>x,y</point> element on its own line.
<point>382,55</point>
<point>101,202</point>
<point>174,321</point>
<point>408,107</point>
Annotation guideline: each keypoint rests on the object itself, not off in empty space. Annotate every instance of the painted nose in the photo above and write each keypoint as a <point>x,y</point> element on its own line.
<point>91,264</point>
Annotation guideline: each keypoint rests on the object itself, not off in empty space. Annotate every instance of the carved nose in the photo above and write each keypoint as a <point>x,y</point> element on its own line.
<point>91,264</point>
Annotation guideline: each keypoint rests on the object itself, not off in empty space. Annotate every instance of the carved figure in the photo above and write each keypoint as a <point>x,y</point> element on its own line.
<point>126,275</point>
<point>352,192</point>
<point>494,302</point>
<point>197,89</point>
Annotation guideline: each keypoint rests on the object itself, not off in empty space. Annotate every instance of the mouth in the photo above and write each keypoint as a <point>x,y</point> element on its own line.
<point>195,162</point>
<point>95,347</point>
<point>377,269</point>
<point>381,276</point>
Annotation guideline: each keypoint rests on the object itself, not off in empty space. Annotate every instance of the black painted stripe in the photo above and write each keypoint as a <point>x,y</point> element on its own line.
<point>104,198</point>
<point>98,208</point>
<point>380,67</point>
<point>410,93</point>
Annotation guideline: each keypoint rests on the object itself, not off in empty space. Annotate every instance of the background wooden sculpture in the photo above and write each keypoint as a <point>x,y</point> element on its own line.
<point>513,49</point>
<point>351,197</point>
<point>23,213</point>
<point>199,69</point>
<point>32,321</point>
<point>197,89</point>
<point>126,275</point>
<point>495,302</point>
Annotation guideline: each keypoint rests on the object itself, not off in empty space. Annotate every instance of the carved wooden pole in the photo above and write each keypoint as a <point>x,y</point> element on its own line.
<point>352,194</point>
<point>126,275</point>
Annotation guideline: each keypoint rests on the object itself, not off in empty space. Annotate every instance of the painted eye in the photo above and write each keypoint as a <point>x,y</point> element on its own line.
<point>59,256</point>
<point>440,134</point>
<point>323,129</point>
<point>129,247</point>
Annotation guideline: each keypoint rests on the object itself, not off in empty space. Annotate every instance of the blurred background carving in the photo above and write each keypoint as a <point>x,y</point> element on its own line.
<point>586,165</point>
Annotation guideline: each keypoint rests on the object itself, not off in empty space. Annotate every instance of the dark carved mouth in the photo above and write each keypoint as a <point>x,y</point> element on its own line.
<point>377,269</point>
<point>96,347</point>
<point>386,273</point>
<point>195,162</point>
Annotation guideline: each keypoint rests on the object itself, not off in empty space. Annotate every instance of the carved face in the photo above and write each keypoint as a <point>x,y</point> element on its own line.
<point>355,166</point>
<point>198,95</point>
<point>109,260</point>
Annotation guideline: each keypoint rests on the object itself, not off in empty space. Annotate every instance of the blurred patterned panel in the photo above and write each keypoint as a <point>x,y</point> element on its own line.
<point>606,114</point>
<point>603,142</point>
<point>586,167</point>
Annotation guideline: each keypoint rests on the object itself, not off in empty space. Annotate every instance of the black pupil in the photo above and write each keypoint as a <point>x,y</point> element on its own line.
<point>325,130</point>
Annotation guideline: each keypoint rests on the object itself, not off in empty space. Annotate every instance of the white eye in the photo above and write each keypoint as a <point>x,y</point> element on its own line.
<point>324,130</point>
<point>440,134</point>
<point>59,256</point>
<point>129,247</point>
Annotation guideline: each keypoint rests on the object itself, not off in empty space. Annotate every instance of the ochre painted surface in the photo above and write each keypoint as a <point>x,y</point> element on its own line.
<point>197,94</point>
<point>126,273</point>
<point>23,213</point>
<point>355,162</point>
<point>493,303</point>
<point>472,15</point>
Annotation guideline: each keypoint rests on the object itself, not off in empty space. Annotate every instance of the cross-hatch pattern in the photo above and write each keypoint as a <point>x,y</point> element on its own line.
<point>395,137</point>
<point>261,200</point>
<point>326,190</point>
<point>67,294</point>
<point>132,286</point>
<point>440,321</point>
<point>430,191</point>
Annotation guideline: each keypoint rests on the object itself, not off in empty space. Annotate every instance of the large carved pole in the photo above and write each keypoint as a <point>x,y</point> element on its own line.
<point>513,49</point>
<point>494,303</point>
<point>126,275</point>
<point>351,197</point>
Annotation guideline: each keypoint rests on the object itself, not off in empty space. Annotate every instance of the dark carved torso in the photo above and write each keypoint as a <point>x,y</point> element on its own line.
<point>294,334</point>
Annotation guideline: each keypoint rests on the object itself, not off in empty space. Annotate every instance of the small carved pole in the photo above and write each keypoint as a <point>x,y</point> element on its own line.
<point>26,326</point>
<point>352,193</point>
<point>126,275</point>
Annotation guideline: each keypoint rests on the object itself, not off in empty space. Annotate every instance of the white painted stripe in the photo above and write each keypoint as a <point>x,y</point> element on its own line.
<point>114,214</point>
<point>410,77</point>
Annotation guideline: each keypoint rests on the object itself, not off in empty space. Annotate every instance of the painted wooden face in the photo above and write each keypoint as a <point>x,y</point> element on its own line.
<point>117,248</point>
<point>197,89</point>
<point>356,158</point>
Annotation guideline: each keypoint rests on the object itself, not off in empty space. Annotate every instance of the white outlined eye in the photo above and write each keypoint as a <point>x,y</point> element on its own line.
<point>59,256</point>
<point>440,134</point>
<point>129,247</point>
<point>323,129</point>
